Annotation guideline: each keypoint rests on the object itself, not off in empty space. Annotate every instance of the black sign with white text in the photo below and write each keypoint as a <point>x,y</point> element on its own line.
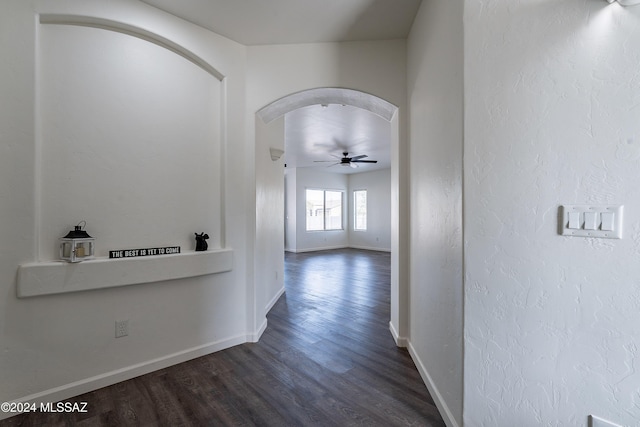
<point>131,253</point>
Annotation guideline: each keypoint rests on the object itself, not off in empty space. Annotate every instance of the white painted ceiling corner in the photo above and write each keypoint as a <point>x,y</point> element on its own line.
<point>625,2</point>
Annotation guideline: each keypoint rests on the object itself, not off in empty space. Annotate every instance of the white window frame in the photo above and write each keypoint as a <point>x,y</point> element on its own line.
<point>324,209</point>
<point>356,225</point>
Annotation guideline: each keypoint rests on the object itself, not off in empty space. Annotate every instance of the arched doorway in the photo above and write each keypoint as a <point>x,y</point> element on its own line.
<point>269,232</point>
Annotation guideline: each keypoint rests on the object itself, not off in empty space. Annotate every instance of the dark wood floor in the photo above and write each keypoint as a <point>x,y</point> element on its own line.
<point>326,359</point>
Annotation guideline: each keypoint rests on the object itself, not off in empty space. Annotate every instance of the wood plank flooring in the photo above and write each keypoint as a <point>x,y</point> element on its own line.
<point>326,359</point>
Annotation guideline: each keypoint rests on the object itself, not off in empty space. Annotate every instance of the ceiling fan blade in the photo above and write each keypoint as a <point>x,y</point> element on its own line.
<point>359,157</point>
<point>333,164</point>
<point>364,161</point>
<point>323,161</point>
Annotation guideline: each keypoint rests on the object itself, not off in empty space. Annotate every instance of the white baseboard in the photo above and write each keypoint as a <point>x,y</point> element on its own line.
<point>448,417</point>
<point>321,248</point>
<point>93,383</point>
<point>255,337</point>
<point>328,248</point>
<point>370,248</point>
<point>274,300</point>
<point>400,341</point>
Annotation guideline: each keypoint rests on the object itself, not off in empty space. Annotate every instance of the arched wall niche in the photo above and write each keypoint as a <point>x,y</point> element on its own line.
<point>134,31</point>
<point>130,137</point>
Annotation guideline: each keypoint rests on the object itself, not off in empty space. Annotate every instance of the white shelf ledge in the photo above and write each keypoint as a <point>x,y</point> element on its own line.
<point>57,277</point>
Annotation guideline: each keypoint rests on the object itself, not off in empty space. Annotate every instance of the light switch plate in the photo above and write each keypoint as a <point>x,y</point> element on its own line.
<point>612,213</point>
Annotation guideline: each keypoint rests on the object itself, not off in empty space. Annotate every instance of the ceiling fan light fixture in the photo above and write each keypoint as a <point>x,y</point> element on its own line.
<point>347,161</point>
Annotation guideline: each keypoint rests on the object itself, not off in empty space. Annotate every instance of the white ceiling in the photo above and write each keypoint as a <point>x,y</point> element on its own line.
<point>256,22</point>
<point>316,133</point>
<point>312,133</point>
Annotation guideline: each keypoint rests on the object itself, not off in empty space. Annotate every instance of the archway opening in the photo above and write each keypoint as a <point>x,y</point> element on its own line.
<point>270,193</point>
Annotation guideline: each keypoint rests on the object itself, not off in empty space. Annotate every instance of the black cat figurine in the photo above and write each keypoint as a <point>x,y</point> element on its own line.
<point>201,242</point>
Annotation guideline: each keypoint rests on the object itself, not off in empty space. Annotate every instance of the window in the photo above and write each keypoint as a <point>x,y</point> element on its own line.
<point>324,210</point>
<point>360,210</point>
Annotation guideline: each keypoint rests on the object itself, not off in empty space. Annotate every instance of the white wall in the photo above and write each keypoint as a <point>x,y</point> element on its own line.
<point>374,67</point>
<point>377,236</point>
<point>552,323</point>
<point>61,345</point>
<point>435,139</point>
<point>291,216</point>
<point>269,265</point>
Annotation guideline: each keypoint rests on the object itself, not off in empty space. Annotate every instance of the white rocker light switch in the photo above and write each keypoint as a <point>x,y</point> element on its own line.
<point>591,221</point>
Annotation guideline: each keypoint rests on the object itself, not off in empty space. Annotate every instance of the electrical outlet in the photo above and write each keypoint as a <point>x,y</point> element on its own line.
<point>599,422</point>
<point>122,328</point>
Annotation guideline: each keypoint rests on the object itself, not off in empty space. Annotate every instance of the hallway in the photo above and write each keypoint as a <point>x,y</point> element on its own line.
<point>326,359</point>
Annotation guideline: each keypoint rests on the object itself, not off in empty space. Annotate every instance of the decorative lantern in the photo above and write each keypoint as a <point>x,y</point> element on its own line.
<point>77,245</point>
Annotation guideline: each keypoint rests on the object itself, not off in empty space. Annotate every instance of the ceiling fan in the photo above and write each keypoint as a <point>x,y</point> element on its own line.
<point>348,161</point>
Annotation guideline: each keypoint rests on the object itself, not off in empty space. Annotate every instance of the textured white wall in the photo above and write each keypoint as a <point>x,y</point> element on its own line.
<point>291,219</point>
<point>377,67</point>
<point>552,323</point>
<point>51,342</point>
<point>377,236</point>
<point>269,262</point>
<point>435,139</point>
